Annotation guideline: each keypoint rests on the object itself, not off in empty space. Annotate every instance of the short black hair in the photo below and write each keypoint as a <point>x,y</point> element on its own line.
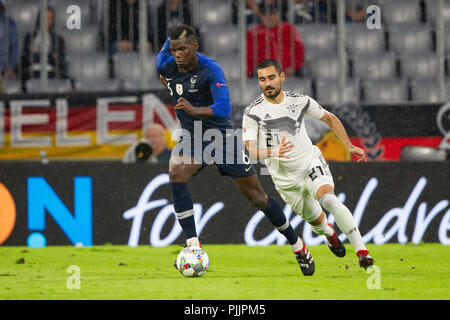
<point>269,63</point>
<point>183,31</point>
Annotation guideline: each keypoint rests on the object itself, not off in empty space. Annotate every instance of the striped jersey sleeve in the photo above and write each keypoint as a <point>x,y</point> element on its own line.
<point>250,122</point>
<point>315,110</point>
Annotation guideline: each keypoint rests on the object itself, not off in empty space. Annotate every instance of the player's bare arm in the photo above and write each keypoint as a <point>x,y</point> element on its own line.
<point>336,126</point>
<point>279,151</point>
<point>193,111</point>
<point>163,81</point>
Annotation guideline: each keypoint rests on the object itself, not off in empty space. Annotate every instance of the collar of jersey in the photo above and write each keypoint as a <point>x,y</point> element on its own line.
<point>277,104</point>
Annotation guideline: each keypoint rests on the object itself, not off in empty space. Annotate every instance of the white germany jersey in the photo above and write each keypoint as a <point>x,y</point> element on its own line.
<point>267,123</point>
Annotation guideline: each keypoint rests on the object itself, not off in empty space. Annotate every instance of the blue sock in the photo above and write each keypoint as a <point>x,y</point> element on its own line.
<point>276,216</point>
<point>182,203</point>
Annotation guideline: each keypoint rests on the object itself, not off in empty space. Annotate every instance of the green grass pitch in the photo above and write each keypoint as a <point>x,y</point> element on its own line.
<point>236,272</point>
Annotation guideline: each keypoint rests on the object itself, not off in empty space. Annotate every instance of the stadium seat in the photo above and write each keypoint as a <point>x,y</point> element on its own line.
<point>317,38</point>
<point>410,38</point>
<point>229,63</point>
<point>430,10</point>
<point>327,91</point>
<point>233,89</point>
<point>426,91</point>
<point>385,91</point>
<point>127,66</point>
<point>12,86</point>
<point>447,39</point>
<point>221,40</point>
<point>88,66</point>
<point>420,153</point>
<point>54,86</point>
<point>135,84</point>
<point>359,39</point>
<point>400,11</point>
<point>90,85</point>
<point>324,66</point>
<point>448,64</point>
<point>299,85</point>
<point>84,40</point>
<point>215,12</point>
<point>374,66</point>
<point>419,65</point>
<point>252,92</point>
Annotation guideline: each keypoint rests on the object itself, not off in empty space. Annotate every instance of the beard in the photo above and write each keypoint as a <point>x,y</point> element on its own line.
<point>275,93</point>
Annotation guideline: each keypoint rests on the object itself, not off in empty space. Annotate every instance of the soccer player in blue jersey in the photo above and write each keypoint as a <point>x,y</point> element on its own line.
<point>200,95</point>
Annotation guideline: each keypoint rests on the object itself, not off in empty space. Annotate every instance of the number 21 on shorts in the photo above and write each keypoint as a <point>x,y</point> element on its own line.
<point>315,171</point>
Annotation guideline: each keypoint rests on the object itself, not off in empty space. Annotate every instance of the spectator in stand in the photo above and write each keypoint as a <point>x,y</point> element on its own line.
<point>355,13</point>
<point>254,13</point>
<point>2,87</point>
<point>305,11</point>
<point>9,45</point>
<point>124,26</point>
<point>170,14</point>
<point>150,149</point>
<point>30,60</point>
<point>275,39</point>
<point>313,11</point>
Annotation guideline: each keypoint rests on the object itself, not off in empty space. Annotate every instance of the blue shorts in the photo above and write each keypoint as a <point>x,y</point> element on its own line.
<point>225,149</point>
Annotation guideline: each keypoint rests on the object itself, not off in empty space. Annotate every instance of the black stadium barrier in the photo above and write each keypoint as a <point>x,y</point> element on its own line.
<point>93,203</point>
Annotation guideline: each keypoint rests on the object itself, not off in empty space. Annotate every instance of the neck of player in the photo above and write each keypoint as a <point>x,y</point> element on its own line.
<point>190,67</point>
<point>276,100</point>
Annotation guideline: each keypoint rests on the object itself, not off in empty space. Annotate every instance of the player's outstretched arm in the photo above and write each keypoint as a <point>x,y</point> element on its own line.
<point>164,56</point>
<point>337,127</point>
<point>163,81</point>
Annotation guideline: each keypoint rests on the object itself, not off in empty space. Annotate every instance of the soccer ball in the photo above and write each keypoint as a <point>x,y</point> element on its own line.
<point>192,262</point>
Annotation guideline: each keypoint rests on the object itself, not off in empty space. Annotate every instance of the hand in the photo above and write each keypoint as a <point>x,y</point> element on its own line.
<point>283,148</point>
<point>185,105</point>
<point>358,153</point>
<point>163,81</point>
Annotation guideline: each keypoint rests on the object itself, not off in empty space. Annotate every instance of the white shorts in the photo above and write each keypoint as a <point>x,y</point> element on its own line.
<point>302,196</point>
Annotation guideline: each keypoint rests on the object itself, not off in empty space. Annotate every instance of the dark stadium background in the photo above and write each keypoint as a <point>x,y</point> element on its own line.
<point>390,86</point>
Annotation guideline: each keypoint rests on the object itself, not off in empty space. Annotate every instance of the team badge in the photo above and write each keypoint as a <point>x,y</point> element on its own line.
<point>179,89</point>
<point>293,110</point>
<point>193,83</point>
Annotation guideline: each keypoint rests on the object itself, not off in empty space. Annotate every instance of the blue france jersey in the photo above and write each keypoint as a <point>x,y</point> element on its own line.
<point>204,86</point>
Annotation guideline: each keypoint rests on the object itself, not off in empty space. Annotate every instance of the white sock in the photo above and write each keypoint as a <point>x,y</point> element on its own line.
<point>193,242</point>
<point>344,219</point>
<point>323,228</point>
<point>296,247</point>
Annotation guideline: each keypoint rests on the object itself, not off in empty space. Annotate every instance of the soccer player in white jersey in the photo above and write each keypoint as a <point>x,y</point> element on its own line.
<point>274,130</point>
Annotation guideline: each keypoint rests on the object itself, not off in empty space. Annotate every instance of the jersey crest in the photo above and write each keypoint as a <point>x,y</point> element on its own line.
<point>288,124</point>
<point>179,89</point>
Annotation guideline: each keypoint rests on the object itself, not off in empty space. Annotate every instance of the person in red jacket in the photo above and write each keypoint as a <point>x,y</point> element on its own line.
<point>275,39</point>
